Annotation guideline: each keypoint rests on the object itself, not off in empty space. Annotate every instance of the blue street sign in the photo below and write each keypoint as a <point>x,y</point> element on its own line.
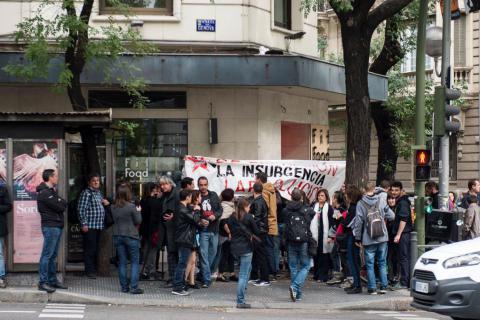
<point>206,25</point>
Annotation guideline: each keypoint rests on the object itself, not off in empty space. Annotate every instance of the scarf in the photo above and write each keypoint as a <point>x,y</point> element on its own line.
<point>314,226</point>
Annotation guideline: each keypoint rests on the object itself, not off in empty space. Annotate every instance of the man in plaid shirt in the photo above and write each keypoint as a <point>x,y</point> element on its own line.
<point>91,214</point>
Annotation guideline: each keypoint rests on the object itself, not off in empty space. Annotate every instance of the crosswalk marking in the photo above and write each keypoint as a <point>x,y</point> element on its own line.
<point>63,311</point>
<point>399,315</point>
<point>16,311</point>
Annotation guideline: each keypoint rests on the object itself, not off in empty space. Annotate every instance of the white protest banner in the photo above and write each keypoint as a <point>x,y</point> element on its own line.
<point>239,175</point>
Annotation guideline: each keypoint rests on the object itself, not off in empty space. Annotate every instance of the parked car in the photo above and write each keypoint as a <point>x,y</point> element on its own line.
<point>446,280</point>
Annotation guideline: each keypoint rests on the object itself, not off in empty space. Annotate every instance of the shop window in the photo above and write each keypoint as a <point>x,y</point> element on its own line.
<point>149,148</point>
<point>158,7</point>
<point>283,13</point>
<point>121,99</point>
<point>3,162</point>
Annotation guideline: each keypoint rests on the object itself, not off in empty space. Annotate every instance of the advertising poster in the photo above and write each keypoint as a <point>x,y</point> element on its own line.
<point>239,175</point>
<point>3,163</point>
<point>31,158</point>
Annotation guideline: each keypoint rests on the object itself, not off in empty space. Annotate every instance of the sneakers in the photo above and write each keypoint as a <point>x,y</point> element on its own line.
<point>253,281</point>
<point>293,294</point>
<point>59,285</point>
<point>45,287</point>
<point>372,292</point>
<point>244,306</point>
<point>334,281</point>
<point>136,291</point>
<point>205,286</point>
<point>354,290</point>
<point>262,284</point>
<point>3,283</point>
<point>194,286</point>
<point>222,278</point>
<point>383,290</point>
<point>180,292</point>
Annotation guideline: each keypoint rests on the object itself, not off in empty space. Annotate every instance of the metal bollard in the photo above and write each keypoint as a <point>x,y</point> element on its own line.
<point>413,250</point>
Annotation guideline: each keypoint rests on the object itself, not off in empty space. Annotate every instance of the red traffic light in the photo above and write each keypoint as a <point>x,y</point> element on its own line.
<point>422,157</point>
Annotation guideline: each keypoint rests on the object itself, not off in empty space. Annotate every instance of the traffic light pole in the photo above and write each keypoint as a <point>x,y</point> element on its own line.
<point>444,161</point>
<point>420,124</point>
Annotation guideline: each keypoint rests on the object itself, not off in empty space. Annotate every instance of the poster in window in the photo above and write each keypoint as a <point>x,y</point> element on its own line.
<point>3,163</point>
<point>29,162</point>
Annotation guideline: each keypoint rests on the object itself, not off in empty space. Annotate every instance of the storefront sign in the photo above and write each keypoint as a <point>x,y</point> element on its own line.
<point>206,25</point>
<point>319,143</point>
<point>30,160</point>
<point>286,175</point>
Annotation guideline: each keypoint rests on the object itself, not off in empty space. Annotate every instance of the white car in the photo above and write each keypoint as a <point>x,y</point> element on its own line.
<point>446,280</point>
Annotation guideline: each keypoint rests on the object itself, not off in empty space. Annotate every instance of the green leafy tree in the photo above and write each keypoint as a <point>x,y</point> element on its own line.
<point>358,21</point>
<point>59,34</point>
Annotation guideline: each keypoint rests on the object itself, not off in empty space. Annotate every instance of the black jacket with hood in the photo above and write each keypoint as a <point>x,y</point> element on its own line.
<point>259,211</point>
<point>50,206</point>
<point>5,207</point>
<point>186,222</point>
<point>402,213</point>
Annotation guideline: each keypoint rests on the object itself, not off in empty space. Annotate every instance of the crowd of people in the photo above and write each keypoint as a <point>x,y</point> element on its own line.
<point>339,239</point>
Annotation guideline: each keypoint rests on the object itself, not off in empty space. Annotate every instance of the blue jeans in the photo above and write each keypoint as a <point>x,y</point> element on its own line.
<point>243,276</point>
<point>2,258</point>
<point>299,263</point>
<point>127,247</point>
<point>179,279</point>
<point>353,261</point>
<point>273,247</point>
<point>47,266</point>
<point>378,251</point>
<point>208,252</point>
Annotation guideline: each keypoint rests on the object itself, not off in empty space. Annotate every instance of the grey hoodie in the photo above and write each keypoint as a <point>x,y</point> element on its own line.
<point>360,229</point>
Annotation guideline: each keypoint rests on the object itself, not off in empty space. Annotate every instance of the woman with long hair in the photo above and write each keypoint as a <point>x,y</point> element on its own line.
<point>226,267</point>
<point>338,254</point>
<point>126,238</point>
<point>192,261</point>
<point>352,195</point>
<point>320,226</point>
<point>147,228</point>
<point>242,231</point>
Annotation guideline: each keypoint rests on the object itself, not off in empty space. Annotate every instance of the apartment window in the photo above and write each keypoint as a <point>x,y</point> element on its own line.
<point>409,63</point>
<point>160,7</point>
<point>459,48</point>
<point>283,13</point>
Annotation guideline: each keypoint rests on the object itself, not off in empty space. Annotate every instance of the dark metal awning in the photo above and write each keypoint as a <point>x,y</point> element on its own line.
<point>86,117</point>
<point>274,71</point>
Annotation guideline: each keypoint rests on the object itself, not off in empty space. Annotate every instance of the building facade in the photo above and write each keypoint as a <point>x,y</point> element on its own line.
<point>464,146</point>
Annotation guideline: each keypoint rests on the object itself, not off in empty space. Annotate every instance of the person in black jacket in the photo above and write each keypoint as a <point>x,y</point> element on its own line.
<point>352,196</point>
<point>169,203</point>
<point>259,211</point>
<point>5,207</point>
<point>242,232</point>
<point>186,224</point>
<point>51,208</point>
<point>148,227</point>
<point>402,226</point>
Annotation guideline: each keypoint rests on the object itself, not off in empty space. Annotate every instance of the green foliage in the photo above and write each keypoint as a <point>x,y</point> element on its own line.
<point>338,5</point>
<point>322,44</point>
<point>128,127</point>
<point>55,27</point>
<point>401,103</point>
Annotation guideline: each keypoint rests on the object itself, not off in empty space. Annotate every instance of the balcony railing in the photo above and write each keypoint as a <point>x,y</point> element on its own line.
<point>462,75</point>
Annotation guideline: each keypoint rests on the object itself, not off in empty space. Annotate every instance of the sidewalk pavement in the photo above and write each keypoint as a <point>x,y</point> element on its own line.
<point>219,295</point>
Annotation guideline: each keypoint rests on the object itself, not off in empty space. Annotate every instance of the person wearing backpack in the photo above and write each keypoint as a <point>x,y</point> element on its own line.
<point>401,228</point>
<point>297,217</point>
<point>370,231</point>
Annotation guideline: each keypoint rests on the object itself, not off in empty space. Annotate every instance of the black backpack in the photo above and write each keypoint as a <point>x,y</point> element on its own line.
<point>298,226</point>
<point>375,221</point>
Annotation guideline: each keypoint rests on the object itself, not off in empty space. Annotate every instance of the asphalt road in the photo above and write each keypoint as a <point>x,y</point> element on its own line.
<point>100,312</point>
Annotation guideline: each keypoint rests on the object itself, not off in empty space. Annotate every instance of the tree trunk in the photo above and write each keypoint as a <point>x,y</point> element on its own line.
<point>90,150</point>
<point>392,52</point>
<point>356,44</point>
<point>387,152</point>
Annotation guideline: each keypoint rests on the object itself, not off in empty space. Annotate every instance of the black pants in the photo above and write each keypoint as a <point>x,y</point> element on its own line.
<point>91,243</point>
<point>227,261</point>
<point>404,259</point>
<point>322,265</point>
<point>260,262</point>
<point>392,261</point>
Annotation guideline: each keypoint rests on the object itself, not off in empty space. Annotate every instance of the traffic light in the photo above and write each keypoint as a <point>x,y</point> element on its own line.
<point>422,165</point>
<point>443,110</point>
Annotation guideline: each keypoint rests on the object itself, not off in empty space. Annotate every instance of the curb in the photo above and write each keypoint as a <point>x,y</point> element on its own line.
<point>34,296</point>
